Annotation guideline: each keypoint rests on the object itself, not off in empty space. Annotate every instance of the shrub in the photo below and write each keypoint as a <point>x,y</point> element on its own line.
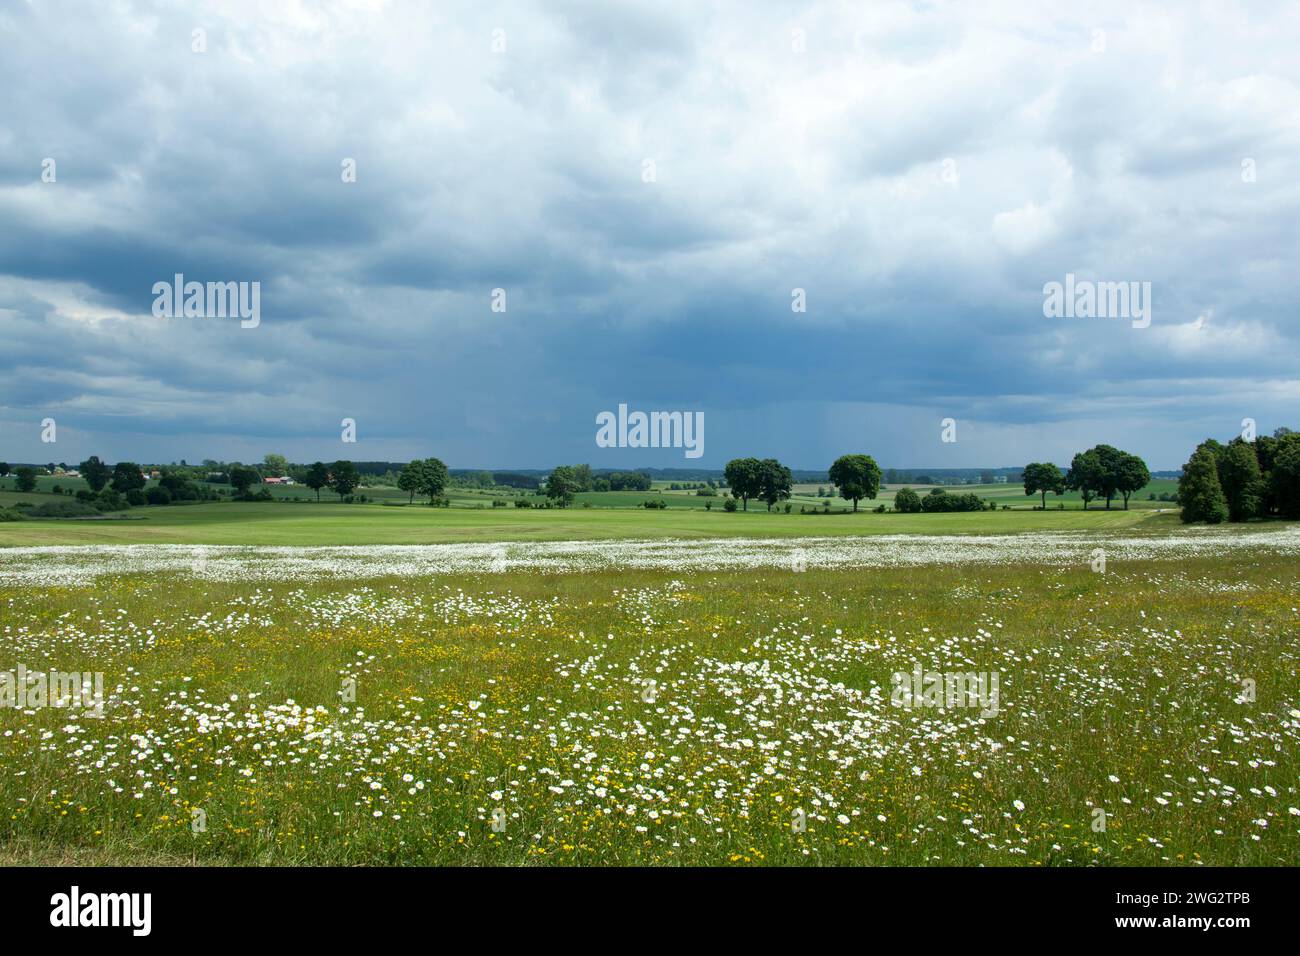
<point>939,500</point>
<point>522,503</point>
<point>729,505</point>
<point>110,500</point>
<point>158,495</point>
<point>135,498</point>
<point>907,501</point>
<point>62,509</point>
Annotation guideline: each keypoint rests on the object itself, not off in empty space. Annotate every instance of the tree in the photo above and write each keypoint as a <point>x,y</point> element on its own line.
<point>158,495</point>
<point>433,477</point>
<point>561,485</point>
<point>127,477</point>
<point>1132,475</point>
<point>1109,476</point>
<point>775,481</point>
<point>242,478</point>
<point>1084,476</point>
<point>1042,477</point>
<point>582,477</point>
<point>907,501</point>
<point>1105,471</point>
<point>95,473</point>
<point>317,477</point>
<point>857,477</point>
<point>275,465</point>
<point>744,478</point>
<point>344,478</point>
<point>1199,491</point>
<point>409,478</point>
<point>1284,479</point>
<point>178,486</point>
<point>25,478</point>
<point>4,468</point>
<point>1239,477</point>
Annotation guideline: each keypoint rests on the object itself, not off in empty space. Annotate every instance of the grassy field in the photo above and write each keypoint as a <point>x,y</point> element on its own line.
<point>278,523</point>
<point>693,712</point>
<point>511,718</point>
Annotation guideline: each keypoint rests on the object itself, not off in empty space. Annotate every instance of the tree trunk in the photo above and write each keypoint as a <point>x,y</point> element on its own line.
<point>1044,499</point>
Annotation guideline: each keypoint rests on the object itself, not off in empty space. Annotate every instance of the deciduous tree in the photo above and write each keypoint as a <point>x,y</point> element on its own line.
<point>856,476</point>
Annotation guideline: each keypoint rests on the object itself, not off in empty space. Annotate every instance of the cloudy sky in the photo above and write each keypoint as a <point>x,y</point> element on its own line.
<point>648,183</point>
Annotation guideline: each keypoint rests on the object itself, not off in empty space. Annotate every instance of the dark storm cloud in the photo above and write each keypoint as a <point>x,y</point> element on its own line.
<point>919,170</point>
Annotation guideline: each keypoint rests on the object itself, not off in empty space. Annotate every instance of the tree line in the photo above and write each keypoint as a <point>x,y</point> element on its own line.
<point>1236,481</point>
<point>1243,479</point>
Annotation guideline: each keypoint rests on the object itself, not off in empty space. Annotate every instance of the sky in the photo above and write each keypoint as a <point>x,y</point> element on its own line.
<point>650,190</point>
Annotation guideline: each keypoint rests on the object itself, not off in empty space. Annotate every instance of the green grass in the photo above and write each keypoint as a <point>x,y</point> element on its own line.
<point>1119,692</point>
<point>282,523</point>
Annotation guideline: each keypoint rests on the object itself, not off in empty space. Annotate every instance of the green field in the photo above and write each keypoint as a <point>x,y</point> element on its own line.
<point>278,523</point>
<point>333,708</point>
<point>510,719</point>
<point>296,518</point>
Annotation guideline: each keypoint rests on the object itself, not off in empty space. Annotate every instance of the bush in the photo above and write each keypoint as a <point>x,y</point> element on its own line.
<point>158,495</point>
<point>7,515</point>
<point>498,503</point>
<point>939,500</point>
<point>62,509</point>
<point>729,504</point>
<point>907,501</point>
<point>135,498</point>
<point>522,503</point>
<point>109,500</point>
<point>659,503</point>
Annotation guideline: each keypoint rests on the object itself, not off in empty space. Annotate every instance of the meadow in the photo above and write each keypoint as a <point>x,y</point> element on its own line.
<point>303,523</point>
<point>729,704</point>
